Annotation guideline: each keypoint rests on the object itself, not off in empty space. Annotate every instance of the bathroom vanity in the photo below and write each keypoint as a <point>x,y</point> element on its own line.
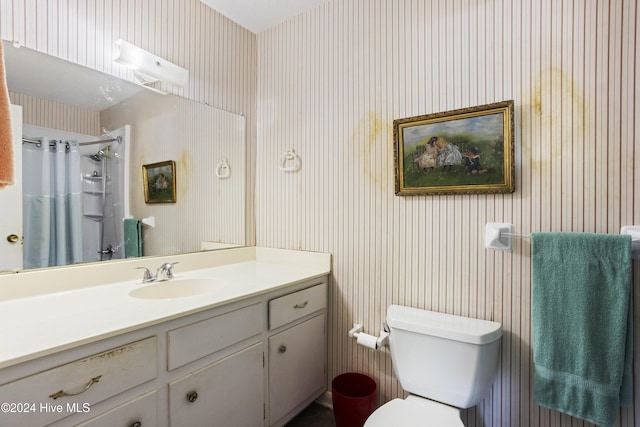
<point>250,353</point>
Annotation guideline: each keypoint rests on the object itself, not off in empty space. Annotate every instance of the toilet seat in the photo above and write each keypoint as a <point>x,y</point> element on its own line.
<point>414,411</point>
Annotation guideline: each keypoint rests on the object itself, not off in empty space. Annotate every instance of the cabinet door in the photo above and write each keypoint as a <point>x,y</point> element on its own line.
<point>140,412</point>
<point>227,393</point>
<point>297,359</point>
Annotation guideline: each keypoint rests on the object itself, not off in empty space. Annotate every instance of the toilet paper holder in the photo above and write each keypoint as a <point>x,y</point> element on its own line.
<point>368,340</point>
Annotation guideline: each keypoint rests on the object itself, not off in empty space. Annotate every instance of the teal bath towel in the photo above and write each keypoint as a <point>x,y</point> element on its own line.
<point>582,324</point>
<point>132,237</point>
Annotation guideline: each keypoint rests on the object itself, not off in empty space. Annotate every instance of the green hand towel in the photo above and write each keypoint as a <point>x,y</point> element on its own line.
<point>132,237</point>
<point>582,321</point>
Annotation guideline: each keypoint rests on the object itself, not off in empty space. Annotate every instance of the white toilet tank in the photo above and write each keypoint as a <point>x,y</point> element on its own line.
<point>443,357</point>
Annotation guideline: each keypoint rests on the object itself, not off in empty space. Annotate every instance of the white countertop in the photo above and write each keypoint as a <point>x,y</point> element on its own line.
<point>42,324</point>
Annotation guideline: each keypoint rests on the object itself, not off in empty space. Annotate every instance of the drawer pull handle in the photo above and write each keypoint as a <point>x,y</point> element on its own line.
<point>283,348</point>
<point>63,393</point>
<point>136,424</point>
<point>303,305</point>
<point>192,396</point>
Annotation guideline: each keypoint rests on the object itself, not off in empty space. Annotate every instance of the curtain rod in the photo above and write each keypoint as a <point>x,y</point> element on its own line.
<point>52,143</point>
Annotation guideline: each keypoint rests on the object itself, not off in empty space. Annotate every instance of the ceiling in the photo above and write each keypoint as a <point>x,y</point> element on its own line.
<point>260,15</point>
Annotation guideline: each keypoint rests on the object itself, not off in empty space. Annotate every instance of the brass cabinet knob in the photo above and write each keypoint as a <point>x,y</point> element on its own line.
<point>283,348</point>
<point>13,238</point>
<point>192,396</point>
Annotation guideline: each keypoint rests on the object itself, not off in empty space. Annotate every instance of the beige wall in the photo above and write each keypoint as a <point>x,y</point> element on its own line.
<point>50,114</point>
<point>330,84</point>
<point>219,54</point>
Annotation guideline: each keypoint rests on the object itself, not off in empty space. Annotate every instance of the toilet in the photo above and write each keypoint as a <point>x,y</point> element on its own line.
<point>445,362</point>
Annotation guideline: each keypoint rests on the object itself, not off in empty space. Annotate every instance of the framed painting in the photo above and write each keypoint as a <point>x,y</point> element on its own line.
<point>465,151</point>
<point>159,182</point>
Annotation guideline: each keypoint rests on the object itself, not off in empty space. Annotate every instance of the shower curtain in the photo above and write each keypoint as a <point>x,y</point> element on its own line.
<point>52,203</point>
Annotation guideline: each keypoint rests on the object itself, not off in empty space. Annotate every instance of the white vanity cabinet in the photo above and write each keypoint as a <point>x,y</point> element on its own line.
<point>251,362</point>
<point>297,352</point>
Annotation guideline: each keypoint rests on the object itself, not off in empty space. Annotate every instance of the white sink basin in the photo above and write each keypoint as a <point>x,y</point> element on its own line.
<point>177,288</point>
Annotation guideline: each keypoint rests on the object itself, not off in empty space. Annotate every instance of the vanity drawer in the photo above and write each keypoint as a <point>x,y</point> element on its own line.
<point>141,411</point>
<point>296,305</point>
<point>200,339</point>
<point>73,387</point>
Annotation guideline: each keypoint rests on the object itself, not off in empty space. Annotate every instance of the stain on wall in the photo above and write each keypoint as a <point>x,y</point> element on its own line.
<point>370,141</point>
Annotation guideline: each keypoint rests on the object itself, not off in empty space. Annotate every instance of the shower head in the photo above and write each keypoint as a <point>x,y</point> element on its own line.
<point>104,153</point>
<point>98,156</point>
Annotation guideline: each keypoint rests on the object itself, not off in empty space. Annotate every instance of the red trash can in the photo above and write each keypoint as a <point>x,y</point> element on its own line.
<point>354,399</point>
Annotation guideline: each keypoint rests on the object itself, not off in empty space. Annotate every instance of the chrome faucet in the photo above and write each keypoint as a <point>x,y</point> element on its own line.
<point>147,277</point>
<point>165,272</point>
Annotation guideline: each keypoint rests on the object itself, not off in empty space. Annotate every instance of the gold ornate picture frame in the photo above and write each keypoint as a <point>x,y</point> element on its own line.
<point>465,151</point>
<point>159,180</point>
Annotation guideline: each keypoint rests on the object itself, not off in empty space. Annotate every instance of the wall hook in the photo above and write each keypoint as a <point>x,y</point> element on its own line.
<point>223,171</point>
<point>290,157</point>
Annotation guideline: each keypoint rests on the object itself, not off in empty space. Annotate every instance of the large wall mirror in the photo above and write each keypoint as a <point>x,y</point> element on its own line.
<point>121,130</point>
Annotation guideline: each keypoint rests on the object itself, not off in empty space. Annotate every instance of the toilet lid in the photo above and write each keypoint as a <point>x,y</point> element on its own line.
<point>414,413</point>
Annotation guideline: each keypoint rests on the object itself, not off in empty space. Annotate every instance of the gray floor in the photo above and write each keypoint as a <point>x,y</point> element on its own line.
<point>314,416</point>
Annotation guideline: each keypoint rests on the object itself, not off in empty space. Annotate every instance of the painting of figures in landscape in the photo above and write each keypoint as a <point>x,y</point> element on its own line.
<point>159,182</point>
<point>456,152</point>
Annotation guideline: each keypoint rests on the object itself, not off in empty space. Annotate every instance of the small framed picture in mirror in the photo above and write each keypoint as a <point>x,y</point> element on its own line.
<point>159,182</point>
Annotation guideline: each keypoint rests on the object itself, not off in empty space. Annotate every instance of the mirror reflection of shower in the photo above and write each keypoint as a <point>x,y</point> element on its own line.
<point>106,251</point>
<point>99,182</point>
<point>102,200</point>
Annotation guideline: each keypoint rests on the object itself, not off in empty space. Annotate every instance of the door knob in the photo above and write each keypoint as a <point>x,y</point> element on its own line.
<point>13,238</point>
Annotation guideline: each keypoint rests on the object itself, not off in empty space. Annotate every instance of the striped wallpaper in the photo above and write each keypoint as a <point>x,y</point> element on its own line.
<point>330,84</point>
<point>51,114</point>
<point>219,54</point>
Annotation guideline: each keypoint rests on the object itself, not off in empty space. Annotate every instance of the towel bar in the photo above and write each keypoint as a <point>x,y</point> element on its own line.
<point>499,236</point>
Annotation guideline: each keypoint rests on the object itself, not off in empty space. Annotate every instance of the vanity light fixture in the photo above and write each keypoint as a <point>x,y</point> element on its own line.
<point>149,68</point>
